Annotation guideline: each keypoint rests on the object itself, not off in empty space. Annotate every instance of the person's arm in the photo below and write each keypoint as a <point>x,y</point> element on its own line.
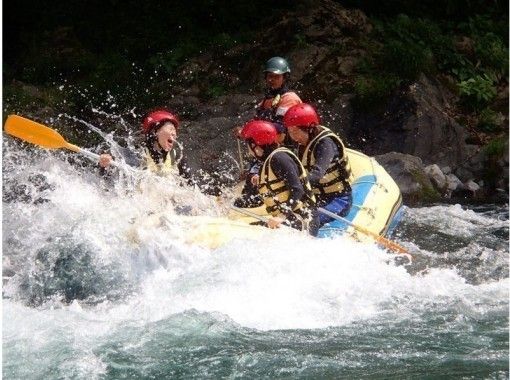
<point>288,100</point>
<point>285,168</point>
<point>130,158</point>
<point>325,151</point>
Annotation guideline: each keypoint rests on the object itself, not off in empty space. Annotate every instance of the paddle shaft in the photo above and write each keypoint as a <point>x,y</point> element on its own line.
<point>239,151</point>
<point>378,238</point>
<point>249,213</point>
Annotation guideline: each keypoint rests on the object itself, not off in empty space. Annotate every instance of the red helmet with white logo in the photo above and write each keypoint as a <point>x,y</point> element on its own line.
<point>157,117</point>
<point>260,132</point>
<point>301,115</point>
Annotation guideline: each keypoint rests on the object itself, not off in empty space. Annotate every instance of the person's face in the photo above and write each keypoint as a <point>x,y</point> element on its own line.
<point>298,135</point>
<point>274,80</point>
<point>166,136</point>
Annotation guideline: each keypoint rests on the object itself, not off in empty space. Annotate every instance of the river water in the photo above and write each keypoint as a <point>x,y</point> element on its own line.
<point>96,287</point>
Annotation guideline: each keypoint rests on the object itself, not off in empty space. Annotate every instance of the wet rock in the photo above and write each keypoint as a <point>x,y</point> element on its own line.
<point>446,170</point>
<point>464,174</point>
<point>436,176</point>
<point>409,173</point>
<point>453,183</point>
<point>415,122</point>
<point>472,186</point>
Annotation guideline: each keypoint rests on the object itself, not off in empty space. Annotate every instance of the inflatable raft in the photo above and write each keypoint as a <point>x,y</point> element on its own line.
<point>376,201</point>
<point>375,212</point>
<point>376,206</point>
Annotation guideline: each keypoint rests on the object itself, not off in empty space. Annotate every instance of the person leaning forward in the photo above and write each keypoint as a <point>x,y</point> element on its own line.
<point>322,154</point>
<point>283,185</point>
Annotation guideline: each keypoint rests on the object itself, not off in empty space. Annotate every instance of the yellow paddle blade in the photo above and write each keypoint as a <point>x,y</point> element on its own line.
<point>35,133</point>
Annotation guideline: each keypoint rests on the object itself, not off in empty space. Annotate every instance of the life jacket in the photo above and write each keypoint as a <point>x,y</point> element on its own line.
<point>168,164</point>
<point>274,190</point>
<point>276,104</point>
<point>338,175</point>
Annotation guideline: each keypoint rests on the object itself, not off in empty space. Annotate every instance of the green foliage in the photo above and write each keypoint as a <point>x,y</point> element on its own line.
<point>114,67</point>
<point>372,90</point>
<point>460,66</point>
<point>496,147</point>
<point>489,120</point>
<point>483,23</point>
<point>407,59</point>
<point>451,10</point>
<point>414,46</point>
<point>409,46</point>
<point>215,90</point>
<point>492,53</point>
<point>404,50</point>
<point>59,53</point>
<point>223,40</point>
<point>166,62</point>
<point>24,94</point>
<point>427,192</point>
<point>477,91</point>
<point>300,40</point>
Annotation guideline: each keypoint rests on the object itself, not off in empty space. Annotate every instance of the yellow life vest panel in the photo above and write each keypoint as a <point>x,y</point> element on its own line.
<point>338,174</point>
<point>167,167</point>
<point>274,191</point>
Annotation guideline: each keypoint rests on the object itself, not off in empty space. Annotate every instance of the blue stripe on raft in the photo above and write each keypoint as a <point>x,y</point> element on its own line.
<point>360,189</point>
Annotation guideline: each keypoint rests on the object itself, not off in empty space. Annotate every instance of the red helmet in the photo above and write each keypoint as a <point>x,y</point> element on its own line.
<point>260,131</point>
<point>301,115</point>
<point>157,117</point>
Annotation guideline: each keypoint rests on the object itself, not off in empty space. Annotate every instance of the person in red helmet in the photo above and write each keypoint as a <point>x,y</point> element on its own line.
<point>322,154</point>
<point>283,185</point>
<point>160,154</point>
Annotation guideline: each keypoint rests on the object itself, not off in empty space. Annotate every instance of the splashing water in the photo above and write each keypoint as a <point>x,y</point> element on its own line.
<point>102,280</point>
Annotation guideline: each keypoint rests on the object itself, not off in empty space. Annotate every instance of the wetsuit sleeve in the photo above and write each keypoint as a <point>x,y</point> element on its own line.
<point>131,158</point>
<point>284,167</point>
<point>325,151</point>
<point>122,154</point>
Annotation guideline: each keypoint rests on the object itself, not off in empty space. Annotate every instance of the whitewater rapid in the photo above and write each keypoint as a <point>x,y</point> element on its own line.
<point>91,272</point>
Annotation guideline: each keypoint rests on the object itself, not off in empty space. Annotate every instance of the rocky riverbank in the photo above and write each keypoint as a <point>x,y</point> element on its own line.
<point>421,130</point>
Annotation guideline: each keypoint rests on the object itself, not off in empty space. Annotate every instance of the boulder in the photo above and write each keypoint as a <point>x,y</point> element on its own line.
<point>436,176</point>
<point>453,183</point>
<point>414,122</point>
<point>472,186</point>
<point>409,173</point>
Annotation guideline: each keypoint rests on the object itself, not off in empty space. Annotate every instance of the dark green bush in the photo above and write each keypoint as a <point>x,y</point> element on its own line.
<point>489,120</point>
<point>373,90</point>
<point>407,59</point>
<point>496,147</point>
<point>166,62</point>
<point>492,53</point>
<point>478,91</point>
<point>215,90</point>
